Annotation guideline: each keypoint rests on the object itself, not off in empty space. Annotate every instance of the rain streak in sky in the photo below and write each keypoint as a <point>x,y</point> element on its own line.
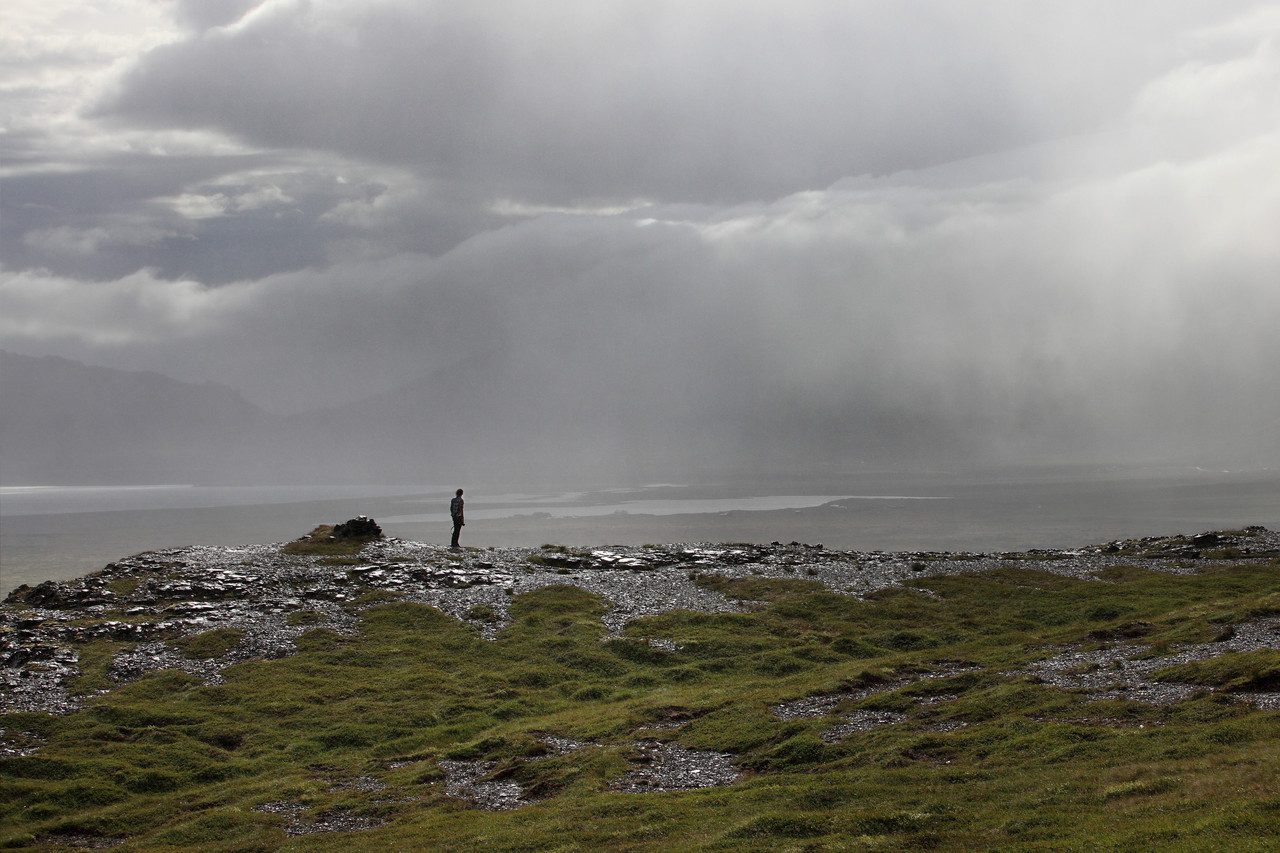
<point>657,233</point>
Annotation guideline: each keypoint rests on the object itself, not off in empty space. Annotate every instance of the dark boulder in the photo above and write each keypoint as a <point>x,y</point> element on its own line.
<point>47,594</point>
<point>363,527</point>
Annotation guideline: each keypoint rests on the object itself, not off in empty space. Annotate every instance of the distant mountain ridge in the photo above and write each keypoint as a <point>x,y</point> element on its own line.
<point>495,418</point>
<point>64,422</point>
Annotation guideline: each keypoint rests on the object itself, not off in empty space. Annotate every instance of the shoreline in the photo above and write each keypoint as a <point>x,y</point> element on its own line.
<point>979,515</point>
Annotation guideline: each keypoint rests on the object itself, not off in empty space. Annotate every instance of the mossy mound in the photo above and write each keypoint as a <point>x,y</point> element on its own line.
<point>345,539</point>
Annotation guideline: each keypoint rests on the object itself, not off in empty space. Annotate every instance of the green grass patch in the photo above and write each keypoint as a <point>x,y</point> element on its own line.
<point>1257,670</point>
<point>210,644</point>
<point>979,759</point>
<point>321,542</point>
<point>125,585</point>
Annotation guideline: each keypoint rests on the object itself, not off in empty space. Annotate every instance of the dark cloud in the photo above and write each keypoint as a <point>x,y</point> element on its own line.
<point>977,321</point>
<point>695,102</point>
<point>821,230</point>
<point>219,219</point>
<point>101,220</point>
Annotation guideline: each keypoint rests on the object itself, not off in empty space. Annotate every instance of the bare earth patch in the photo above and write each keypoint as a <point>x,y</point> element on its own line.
<point>670,767</point>
<point>1120,671</point>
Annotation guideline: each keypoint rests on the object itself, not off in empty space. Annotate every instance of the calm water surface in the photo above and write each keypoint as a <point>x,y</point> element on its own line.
<point>58,533</point>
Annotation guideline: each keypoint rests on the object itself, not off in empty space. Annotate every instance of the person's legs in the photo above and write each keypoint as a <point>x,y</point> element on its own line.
<point>457,528</point>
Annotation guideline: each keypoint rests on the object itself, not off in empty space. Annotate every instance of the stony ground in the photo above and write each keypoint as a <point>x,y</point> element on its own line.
<point>155,599</point>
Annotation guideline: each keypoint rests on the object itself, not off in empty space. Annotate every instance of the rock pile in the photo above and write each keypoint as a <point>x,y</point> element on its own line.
<point>363,527</point>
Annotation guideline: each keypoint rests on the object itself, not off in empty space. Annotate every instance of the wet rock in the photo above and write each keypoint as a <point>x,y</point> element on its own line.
<point>818,706</point>
<point>564,561</point>
<point>38,686</point>
<point>287,807</point>
<point>152,599</point>
<point>472,780</point>
<point>51,594</point>
<point>363,527</point>
<point>557,745</point>
<point>151,657</point>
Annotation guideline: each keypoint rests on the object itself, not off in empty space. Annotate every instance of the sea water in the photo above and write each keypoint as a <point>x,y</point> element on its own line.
<point>63,532</point>
<point>57,500</point>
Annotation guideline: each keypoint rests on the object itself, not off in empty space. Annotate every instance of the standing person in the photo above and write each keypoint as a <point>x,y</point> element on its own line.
<point>455,511</point>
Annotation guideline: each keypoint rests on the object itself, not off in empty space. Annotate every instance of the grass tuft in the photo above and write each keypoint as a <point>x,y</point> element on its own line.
<point>321,542</point>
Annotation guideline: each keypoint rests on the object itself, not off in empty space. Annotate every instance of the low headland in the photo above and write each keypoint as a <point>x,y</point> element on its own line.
<point>352,689</point>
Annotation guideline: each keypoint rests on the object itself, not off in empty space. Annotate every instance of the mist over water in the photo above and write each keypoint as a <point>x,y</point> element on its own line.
<point>515,241</point>
<point>58,500</point>
<point>992,510</point>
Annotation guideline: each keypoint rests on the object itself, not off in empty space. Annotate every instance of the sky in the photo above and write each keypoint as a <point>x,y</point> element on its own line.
<point>1035,228</point>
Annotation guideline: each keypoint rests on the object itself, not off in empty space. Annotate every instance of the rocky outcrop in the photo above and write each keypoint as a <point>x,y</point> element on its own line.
<point>266,599</point>
<point>363,527</point>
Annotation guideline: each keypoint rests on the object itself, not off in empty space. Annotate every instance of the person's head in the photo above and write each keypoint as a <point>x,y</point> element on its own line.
<point>459,492</point>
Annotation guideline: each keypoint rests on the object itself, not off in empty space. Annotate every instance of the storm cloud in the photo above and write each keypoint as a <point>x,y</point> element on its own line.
<point>832,230</point>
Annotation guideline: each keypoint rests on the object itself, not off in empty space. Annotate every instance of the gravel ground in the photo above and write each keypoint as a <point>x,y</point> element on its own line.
<point>465,780</point>
<point>658,766</point>
<point>333,820</point>
<point>1120,672</point>
<point>19,744</point>
<point>155,597</point>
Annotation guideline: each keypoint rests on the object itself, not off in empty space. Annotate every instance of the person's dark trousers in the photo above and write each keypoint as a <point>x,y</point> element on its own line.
<point>457,528</point>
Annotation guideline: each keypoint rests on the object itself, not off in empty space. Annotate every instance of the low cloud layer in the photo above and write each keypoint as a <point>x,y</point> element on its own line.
<point>1036,233</point>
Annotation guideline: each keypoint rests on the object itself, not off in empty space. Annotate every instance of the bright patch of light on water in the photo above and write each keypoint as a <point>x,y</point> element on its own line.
<point>566,508</point>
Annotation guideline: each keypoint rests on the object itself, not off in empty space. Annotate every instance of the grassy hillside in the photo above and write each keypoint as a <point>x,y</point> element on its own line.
<point>958,712</point>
